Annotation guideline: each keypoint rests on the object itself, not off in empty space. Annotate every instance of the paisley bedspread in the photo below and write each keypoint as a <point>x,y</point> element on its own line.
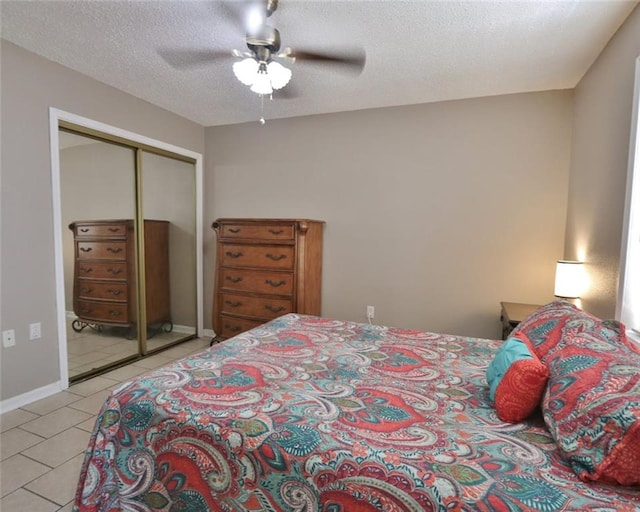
<point>311,414</point>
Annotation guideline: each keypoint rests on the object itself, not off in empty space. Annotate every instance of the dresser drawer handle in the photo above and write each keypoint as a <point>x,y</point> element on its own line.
<point>233,254</point>
<point>114,292</point>
<point>114,250</point>
<point>234,230</point>
<point>114,230</point>
<point>232,328</point>
<point>84,230</point>
<point>276,231</point>
<point>234,279</point>
<point>86,270</point>
<point>85,310</point>
<point>114,271</point>
<point>274,284</point>
<point>86,290</point>
<point>274,309</point>
<point>86,249</point>
<point>276,257</point>
<point>233,304</point>
<point>113,312</point>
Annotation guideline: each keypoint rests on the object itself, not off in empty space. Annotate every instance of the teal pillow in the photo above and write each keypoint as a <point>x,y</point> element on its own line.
<point>517,380</point>
<point>511,351</point>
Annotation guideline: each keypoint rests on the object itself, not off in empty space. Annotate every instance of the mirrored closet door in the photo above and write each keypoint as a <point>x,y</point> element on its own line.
<point>168,194</point>
<point>129,250</point>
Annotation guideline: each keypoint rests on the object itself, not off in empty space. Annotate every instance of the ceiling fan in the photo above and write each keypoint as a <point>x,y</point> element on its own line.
<point>261,66</point>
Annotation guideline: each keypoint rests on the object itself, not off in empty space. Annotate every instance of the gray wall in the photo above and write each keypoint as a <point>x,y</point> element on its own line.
<point>600,156</point>
<point>30,85</point>
<point>435,213</point>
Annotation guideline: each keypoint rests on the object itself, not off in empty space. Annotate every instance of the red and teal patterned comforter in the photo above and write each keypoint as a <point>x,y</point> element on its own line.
<point>310,414</point>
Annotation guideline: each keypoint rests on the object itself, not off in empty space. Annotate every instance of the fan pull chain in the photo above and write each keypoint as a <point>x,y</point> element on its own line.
<point>262,121</point>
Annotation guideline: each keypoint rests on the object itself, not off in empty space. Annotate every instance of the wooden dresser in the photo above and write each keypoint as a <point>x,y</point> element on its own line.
<point>104,285</point>
<point>265,268</point>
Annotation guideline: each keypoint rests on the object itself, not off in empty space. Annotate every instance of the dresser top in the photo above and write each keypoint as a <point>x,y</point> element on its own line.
<point>301,223</point>
<point>262,221</point>
<point>108,221</point>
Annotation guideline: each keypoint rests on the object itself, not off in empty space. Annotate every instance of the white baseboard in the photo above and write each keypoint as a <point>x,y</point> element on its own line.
<point>185,329</point>
<point>30,396</point>
<point>208,333</point>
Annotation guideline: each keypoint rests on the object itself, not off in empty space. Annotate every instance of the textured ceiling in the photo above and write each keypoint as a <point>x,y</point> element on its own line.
<point>417,51</point>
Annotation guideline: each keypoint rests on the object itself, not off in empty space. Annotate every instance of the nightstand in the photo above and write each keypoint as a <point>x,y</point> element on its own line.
<point>512,314</point>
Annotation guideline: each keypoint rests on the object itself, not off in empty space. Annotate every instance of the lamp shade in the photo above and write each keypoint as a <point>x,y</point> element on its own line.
<point>569,279</point>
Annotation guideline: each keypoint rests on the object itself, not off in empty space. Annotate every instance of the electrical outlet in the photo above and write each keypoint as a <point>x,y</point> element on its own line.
<point>371,312</point>
<point>35,331</point>
<point>8,338</point>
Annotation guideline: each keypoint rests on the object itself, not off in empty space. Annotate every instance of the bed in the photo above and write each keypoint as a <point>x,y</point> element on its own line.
<point>313,414</point>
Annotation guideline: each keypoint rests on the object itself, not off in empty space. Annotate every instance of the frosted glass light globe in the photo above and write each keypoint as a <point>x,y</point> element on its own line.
<point>278,74</point>
<point>262,84</point>
<point>246,70</point>
<point>261,76</point>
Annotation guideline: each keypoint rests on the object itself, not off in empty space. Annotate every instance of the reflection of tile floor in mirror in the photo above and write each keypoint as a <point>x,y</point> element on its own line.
<point>91,349</point>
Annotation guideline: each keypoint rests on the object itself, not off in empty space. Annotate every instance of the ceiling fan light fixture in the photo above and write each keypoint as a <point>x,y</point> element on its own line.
<point>262,77</point>
<point>246,70</point>
<point>262,81</point>
<point>278,74</point>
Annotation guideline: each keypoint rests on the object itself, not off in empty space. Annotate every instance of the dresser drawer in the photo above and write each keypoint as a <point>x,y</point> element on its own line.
<point>107,250</point>
<point>260,307</point>
<point>116,291</point>
<point>231,326</point>
<point>258,281</point>
<point>102,269</point>
<point>102,230</point>
<point>262,256</point>
<point>258,231</point>
<point>104,312</point>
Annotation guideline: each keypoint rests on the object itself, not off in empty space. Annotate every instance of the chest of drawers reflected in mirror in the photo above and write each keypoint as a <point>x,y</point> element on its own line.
<point>104,283</point>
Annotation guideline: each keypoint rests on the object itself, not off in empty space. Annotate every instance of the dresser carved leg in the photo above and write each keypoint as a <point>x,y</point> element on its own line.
<point>78,326</point>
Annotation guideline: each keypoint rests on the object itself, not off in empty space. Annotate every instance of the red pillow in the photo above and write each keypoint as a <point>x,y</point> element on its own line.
<point>592,408</point>
<point>542,329</point>
<point>517,380</point>
<point>520,390</point>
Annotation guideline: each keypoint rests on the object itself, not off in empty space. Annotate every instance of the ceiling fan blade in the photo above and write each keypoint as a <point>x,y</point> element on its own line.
<point>247,15</point>
<point>234,13</point>
<point>352,61</point>
<point>185,58</point>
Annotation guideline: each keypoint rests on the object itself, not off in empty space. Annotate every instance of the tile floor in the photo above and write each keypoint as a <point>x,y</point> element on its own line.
<point>90,349</point>
<point>42,444</point>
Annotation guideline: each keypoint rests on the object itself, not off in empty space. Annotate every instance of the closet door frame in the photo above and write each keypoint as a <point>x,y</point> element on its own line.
<point>61,119</point>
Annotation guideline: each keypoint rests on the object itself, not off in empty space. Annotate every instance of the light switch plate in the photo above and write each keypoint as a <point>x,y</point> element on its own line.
<point>35,331</point>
